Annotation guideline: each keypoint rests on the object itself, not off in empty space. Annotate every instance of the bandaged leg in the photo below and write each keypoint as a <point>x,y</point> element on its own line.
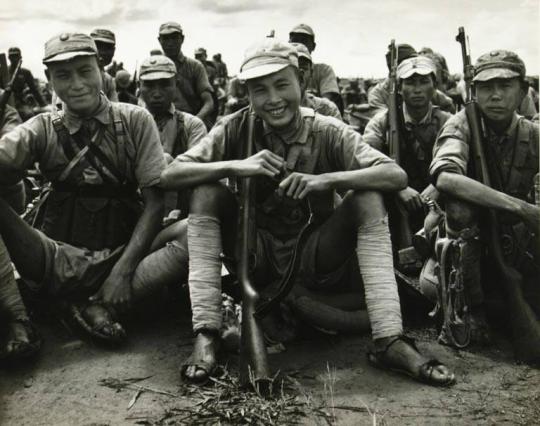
<point>374,252</point>
<point>205,246</point>
<point>166,266</point>
<point>11,304</point>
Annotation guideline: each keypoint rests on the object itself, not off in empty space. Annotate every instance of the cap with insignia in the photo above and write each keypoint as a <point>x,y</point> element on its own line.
<point>157,67</point>
<point>14,51</point>
<point>267,57</point>
<point>416,65</point>
<point>66,46</point>
<point>170,28</point>
<point>105,36</point>
<point>302,50</point>
<point>498,64</point>
<point>303,29</point>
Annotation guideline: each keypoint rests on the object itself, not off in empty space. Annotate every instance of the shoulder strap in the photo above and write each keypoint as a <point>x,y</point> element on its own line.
<point>63,136</point>
<point>522,149</point>
<point>181,134</point>
<point>120,135</point>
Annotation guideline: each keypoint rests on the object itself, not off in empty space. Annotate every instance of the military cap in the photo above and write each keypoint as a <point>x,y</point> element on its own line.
<point>416,65</point>
<point>302,50</point>
<point>200,51</point>
<point>65,46</point>
<point>14,51</point>
<point>498,64</point>
<point>170,28</point>
<point>303,29</point>
<point>122,79</point>
<point>267,57</point>
<point>105,36</point>
<point>157,67</point>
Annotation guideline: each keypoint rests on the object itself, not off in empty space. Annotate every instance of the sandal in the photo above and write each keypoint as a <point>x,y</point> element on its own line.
<point>426,370</point>
<point>15,349</point>
<point>101,326</point>
<point>204,363</point>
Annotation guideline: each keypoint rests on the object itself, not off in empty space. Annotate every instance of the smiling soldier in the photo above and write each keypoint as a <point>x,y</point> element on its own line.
<point>301,159</point>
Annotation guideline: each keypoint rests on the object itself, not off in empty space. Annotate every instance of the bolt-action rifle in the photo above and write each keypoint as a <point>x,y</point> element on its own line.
<point>525,327</point>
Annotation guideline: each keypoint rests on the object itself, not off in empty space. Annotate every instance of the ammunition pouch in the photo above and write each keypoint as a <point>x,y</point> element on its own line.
<point>94,217</point>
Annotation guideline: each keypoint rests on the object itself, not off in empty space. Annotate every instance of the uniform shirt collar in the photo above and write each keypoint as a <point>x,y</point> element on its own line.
<point>409,121</point>
<point>296,132</point>
<point>508,134</point>
<point>73,122</point>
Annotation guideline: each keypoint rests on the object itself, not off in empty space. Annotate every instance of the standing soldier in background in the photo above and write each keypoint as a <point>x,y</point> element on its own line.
<point>178,131</point>
<point>106,44</point>
<point>323,81</point>
<point>193,89</point>
<point>123,87</point>
<point>320,105</point>
<point>211,72</point>
<point>510,152</point>
<point>222,81</point>
<point>23,80</point>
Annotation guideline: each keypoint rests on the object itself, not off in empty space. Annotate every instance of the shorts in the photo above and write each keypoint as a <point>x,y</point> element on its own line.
<point>75,272</point>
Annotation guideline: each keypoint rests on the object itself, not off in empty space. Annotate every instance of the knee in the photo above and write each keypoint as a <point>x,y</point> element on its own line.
<point>365,205</point>
<point>209,199</point>
<point>460,215</point>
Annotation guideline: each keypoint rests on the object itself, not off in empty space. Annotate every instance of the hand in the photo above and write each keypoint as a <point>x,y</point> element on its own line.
<point>430,193</point>
<point>264,163</point>
<point>298,185</point>
<point>531,216</point>
<point>115,291</point>
<point>168,158</point>
<point>411,199</point>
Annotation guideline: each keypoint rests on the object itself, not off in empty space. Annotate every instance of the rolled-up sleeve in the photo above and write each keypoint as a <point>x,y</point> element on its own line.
<point>451,150</point>
<point>375,132</point>
<point>210,148</point>
<point>196,131</point>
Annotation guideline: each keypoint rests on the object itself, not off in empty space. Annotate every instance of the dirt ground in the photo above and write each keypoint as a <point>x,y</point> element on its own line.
<point>329,382</point>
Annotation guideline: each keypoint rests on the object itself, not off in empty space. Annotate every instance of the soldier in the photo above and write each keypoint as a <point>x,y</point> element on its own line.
<point>420,123</point>
<point>123,84</point>
<point>378,95</point>
<point>106,44</point>
<point>323,81</point>
<point>178,131</point>
<point>237,97</point>
<point>354,93</point>
<point>193,90</point>
<point>24,79</point>
<point>301,159</point>
<point>101,158</point>
<point>320,105</point>
<point>511,148</point>
<point>211,71</point>
<point>222,72</point>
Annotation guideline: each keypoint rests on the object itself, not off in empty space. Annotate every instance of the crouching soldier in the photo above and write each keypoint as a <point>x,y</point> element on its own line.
<point>419,122</point>
<point>301,159</point>
<point>178,130</point>
<point>98,155</point>
<point>510,146</point>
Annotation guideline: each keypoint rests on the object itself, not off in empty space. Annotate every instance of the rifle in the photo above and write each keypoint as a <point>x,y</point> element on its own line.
<point>253,357</point>
<point>405,234</point>
<point>524,324</point>
<point>4,97</point>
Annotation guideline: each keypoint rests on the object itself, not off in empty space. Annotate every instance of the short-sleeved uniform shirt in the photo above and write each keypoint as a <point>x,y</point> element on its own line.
<point>451,152</point>
<point>321,105</point>
<point>322,144</point>
<point>36,141</point>
<point>323,80</point>
<point>191,82</point>
<point>417,140</point>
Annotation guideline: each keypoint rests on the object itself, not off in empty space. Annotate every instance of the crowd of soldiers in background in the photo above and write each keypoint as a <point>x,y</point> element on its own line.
<point>356,99</point>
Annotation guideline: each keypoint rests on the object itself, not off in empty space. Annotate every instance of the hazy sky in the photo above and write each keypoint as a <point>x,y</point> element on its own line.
<point>351,35</point>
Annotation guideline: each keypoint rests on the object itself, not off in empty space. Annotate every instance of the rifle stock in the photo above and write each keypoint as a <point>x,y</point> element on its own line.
<point>253,357</point>
<point>524,324</point>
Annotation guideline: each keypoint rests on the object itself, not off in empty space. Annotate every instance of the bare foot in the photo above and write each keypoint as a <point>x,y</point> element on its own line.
<point>400,355</point>
<point>102,324</point>
<point>202,362</point>
<point>22,340</point>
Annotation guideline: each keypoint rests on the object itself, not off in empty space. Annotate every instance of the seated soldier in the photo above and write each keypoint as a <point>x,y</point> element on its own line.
<point>378,95</point>
<point>302,158</point>
<point>178,131</point>
<point>510,144</point>
<point>98,155</point>
<point>321,105</point>
<point>420,122</point>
